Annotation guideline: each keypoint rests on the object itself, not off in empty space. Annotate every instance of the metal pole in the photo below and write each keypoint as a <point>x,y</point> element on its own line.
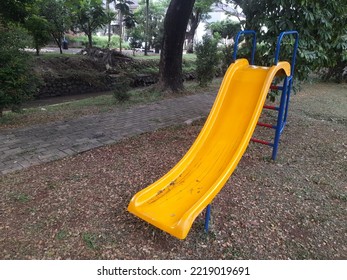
<point>207,217</point>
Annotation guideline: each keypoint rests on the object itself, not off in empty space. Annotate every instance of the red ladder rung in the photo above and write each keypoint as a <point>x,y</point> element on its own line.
<point>266,125</point>
<point>271,107</point>
<point>261,141</point>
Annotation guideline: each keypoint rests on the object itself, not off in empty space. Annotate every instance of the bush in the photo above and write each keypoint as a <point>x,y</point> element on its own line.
<point>17,83</point>
<point>121,91</point>
<point>227,57</point>
<point>207,60</point>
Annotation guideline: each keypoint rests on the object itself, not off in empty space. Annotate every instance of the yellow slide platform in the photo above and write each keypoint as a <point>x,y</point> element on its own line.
<point>174,201</point>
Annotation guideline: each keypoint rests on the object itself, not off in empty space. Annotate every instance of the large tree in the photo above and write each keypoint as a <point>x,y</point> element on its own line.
<point>88,16</point>
<point>321,25</point>
<point>38,28</point>
<point>57,15</point>
<point>175,25</point>
<point>199,13</point>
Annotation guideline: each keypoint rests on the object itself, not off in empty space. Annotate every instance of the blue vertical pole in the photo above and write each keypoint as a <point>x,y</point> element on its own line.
<point>288,98</point>
<point>207,217</point>
<point>281,110</point>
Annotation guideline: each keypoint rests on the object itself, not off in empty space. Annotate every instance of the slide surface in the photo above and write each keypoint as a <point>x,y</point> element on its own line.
<point>174,201</point>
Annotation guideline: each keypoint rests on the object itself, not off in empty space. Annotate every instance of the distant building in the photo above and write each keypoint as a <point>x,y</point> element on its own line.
<point>219,12</point>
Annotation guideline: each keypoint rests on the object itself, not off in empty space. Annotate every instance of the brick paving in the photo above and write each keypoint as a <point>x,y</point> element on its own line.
<point>24,147</point>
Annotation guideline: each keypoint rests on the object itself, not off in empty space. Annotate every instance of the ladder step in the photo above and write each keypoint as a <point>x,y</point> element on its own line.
<point>267,125</point>
<point>273,87</point>
<point>271,107</point>
<point>262,142</point>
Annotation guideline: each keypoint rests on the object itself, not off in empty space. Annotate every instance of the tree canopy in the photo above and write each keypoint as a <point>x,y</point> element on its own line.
<point>321,25</point>
<point>87,16</point>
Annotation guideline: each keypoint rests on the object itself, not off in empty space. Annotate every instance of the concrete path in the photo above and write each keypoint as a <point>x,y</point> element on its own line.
<point>21,148</point>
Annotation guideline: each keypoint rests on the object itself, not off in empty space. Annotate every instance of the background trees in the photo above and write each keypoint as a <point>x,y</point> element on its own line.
<point>321,25</point>
<point>39,28</point>
<point>87,16</point>
<point>200,12</point>
<point>227,29</point>
<point>16,80</point>
<point>57,15</point>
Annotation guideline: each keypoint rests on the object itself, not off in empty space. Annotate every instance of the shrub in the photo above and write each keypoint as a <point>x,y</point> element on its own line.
<point>207,60</point>
<point>227,56</point>
<point>121,91</point>
<point>17,83</point>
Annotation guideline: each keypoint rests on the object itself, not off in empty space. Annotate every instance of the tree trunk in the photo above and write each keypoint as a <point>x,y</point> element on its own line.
<point>194,21</point>
<point>175,25</point>
<point>147,18</point>
<point>120,30</point>
<point>90,40</point>
<point>58,41</point>
<point>108,24</point>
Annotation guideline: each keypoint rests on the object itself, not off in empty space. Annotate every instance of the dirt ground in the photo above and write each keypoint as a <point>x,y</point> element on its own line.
<point>291,208</point>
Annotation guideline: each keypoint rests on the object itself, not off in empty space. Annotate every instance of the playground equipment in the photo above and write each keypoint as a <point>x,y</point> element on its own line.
<point>174,201</point>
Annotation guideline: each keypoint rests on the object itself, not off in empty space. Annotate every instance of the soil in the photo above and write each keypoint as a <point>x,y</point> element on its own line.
<point>291,208</point>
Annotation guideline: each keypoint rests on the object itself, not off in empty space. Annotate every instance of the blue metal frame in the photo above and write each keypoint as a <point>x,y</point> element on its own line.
<point>285,96</point>
<point>207,217</point>
<point>286,89</point>
<point>254,43</point>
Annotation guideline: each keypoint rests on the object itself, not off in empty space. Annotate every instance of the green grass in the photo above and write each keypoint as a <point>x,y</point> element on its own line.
<point>90,240</point>
<point>191,57</point>
<point>20,197</point>
<point>105,102</point>
<point>142,56</point>
<point>49,55</point>
<point>62,234</point>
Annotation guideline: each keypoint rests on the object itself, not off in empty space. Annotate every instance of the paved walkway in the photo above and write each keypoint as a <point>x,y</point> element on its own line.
<point>21,148</point>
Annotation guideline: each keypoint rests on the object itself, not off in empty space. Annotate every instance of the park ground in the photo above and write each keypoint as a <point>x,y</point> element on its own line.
<point>291,208</point>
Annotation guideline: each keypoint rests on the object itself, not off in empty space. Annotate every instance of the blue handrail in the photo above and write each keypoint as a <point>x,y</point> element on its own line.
<point>237,38</point>
<point>278,47</point>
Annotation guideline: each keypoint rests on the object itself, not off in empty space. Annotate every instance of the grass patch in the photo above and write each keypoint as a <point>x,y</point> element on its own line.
<point>90,240</point>
<point>142,56</point>
<point>62,234</point>
<point>50,55</point>
<point>92,105</point>
<point>154,56</point>
<point>20,197</point>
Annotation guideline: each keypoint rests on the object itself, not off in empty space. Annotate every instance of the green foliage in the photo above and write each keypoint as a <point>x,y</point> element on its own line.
<point>98,41</point>
<point>57,15</point>
<point>321,26</point>
<point>156,14</point>
<point>200,13</point>
<point>136,38</point>
<point>121,91</point>
<point>207,60</point>
<point>225,28</point>
<point>17,83</point>
<point>88,16</point>
<point>38,28</point>
<point>15,11</point>
<point>227,56</point>
<point>90,240</point>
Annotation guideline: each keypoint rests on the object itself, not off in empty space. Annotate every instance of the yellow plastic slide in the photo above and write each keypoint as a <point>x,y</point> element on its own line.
<point>175,200</point>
